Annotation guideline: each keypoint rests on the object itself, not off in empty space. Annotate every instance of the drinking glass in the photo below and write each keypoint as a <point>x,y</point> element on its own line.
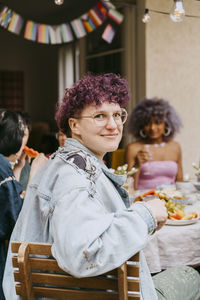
<point>148,165</point>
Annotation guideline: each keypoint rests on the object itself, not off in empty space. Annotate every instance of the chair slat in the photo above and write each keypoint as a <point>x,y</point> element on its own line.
<point>133,271</point>
<point>34,248</point>
<point>133,297</point>
<point>133,285</point>
<point>64,280</point>
<point>48,264</point>
<point>71,295</point>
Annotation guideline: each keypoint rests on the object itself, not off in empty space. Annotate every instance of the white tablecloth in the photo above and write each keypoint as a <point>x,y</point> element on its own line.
<point>174,245</point>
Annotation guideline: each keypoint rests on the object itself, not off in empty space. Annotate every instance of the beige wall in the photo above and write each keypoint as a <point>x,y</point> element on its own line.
<point>173,70</point>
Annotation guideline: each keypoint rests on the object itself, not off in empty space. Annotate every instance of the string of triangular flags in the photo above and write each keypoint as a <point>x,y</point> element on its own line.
<point>66,32</point>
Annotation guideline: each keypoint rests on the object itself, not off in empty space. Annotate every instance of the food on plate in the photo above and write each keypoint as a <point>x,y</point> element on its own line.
<point>31,152</point>
<point>167,194</point>
<point>175,209</point>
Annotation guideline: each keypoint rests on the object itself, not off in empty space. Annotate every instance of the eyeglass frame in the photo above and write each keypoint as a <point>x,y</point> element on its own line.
<point>98,113</point>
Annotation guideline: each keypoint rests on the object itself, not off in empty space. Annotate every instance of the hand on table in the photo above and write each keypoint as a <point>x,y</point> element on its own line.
<point>159,210</point>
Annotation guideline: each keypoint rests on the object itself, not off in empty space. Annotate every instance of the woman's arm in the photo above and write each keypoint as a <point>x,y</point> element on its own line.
<point>134,157</point>
<point>179,176</point>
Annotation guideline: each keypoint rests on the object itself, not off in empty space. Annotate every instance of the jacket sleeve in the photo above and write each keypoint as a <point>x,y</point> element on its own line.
<point>87,239</point>
<point>10,206</point>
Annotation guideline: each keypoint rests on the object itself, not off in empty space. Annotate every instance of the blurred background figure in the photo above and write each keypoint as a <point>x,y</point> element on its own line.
<point>61,137</point>
<point>49,144</point>
<point>14,133</point>
<point>154,122</point>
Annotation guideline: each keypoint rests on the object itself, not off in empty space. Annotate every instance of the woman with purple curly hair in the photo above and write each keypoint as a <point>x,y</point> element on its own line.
<point>154,122</point>
<point>91,90</point>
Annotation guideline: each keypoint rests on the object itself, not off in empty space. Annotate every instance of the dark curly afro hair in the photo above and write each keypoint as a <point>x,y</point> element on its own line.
<point>157,109</point>
<point>92,89</point>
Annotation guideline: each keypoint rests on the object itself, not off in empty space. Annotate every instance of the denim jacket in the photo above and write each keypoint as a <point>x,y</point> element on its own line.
<point>78,205</point>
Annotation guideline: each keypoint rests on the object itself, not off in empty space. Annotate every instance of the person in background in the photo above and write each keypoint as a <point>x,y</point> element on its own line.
<point>49,144</point>
<point>14,132</point>
<point>61,137</point>
<point>154,122</point>
<point>77,204</point>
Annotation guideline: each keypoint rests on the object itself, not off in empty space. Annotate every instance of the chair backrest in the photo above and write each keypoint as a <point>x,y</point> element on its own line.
<point>37,273</point>
<point>118,158</point>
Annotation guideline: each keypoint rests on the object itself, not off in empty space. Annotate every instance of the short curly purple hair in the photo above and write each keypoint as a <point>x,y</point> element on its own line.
<point>91,89</point>
<point>157,109</point>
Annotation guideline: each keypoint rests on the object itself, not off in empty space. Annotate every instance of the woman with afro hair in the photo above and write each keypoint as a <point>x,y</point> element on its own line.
<point>154,122</point>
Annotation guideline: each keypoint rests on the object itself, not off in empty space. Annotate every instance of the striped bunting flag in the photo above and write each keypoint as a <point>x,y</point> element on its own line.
<point>78,28</point>
<point>43,34</point>
<point>87,22</point>
<point>55,34</point>
<point>16,23</point>
<point>6,17</point>
<point>30,30</point>
<point>115,16</point>
<point>66,33</point>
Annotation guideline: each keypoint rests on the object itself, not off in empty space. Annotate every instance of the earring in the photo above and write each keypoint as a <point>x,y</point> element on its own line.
<point>167,131</point>
<point>142,133</point>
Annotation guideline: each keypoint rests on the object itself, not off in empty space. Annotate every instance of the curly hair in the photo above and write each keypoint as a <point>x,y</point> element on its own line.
<point>91,89</point>
<point>157,109</point>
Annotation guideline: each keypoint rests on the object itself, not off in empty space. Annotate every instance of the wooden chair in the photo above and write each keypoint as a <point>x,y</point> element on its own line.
<point>37,273</point>
<point>118,158</point>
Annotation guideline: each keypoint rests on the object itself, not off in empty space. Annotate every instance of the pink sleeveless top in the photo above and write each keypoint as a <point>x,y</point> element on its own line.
<point>154,173</point>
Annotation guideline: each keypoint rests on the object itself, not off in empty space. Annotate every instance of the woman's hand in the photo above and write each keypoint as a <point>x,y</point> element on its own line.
<point>142,156</point>
<point>19,165</point>
<point>159,210</point>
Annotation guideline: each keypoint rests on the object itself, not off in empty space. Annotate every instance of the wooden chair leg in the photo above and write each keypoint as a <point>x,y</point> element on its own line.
<point>122,282</point>
<point>25,270</point>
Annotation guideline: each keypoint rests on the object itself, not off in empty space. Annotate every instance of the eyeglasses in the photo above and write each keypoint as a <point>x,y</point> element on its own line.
<point>102,118</point>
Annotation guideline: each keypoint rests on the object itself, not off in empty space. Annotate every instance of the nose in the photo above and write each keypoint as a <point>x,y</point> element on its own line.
<point>111,122</point>
<point>153,126</point>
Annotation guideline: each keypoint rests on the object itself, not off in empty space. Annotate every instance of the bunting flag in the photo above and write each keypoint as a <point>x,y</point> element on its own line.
<point>30,31</point>
<point>115,15</point>
<point>87,22</point>
<point>6,17</point>
<point>107,4</point>
<point>65,32</point>
<point>55,34</point>
<point>108,34</point>
<point>78,28</point>
<point>95,17</point>
<point>43,33</point>
<point>16,23</point>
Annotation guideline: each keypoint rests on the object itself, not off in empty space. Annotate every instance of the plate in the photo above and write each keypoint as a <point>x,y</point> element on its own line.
<point>181,222</point>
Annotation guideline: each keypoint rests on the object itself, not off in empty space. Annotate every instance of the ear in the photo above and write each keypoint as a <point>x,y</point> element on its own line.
<point>74,126</point>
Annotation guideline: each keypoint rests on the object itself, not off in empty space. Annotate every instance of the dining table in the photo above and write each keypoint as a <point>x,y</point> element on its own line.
<point>174,245</point>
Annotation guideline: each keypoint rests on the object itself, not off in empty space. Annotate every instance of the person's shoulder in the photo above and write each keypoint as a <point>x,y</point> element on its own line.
<point>174,143</point>
<point>135,146</point>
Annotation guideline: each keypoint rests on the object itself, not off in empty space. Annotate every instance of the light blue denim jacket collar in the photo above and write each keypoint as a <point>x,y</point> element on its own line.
<point>118,180</point>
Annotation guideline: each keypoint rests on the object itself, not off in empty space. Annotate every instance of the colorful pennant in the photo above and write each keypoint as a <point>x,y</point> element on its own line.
<point>16,23</point>
<point>108,34</point>
<point>31,31</point>
<point>63,33</point>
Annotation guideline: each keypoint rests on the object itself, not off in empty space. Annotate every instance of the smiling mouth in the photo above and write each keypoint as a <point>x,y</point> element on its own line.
<point>110,135</point>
